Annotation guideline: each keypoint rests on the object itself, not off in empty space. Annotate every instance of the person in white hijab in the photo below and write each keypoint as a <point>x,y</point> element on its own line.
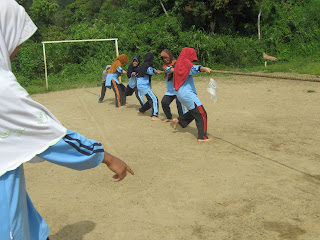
<point>30,133</point>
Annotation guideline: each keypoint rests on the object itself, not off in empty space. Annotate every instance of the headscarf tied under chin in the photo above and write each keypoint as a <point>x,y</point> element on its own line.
<point>183,66</point>
<point>26,127</point>
<point>131,68</point>
<point>168,54</point>
<point>148,62</point>
<point>121,59</point>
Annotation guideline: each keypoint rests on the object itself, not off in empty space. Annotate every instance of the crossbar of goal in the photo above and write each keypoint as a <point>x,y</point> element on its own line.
<point>69,41</point>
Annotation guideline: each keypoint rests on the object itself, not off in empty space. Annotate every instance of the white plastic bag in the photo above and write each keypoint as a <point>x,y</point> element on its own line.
<point>213,90</point>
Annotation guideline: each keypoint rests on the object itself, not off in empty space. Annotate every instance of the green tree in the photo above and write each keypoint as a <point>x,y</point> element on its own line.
<point>81,11</point>
<point>218,16</point>
<point>42,12</point>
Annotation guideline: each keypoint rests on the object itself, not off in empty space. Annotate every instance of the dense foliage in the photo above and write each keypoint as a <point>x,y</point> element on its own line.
<point>223,32</point>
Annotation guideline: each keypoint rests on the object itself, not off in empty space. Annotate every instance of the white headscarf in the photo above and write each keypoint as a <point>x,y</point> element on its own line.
<point>26,127</point>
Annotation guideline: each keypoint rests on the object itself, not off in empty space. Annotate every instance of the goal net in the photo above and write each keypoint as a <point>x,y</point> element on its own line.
<point>72,41</point>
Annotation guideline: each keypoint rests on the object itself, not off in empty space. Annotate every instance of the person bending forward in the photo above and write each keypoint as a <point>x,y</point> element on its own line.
<point>187,94</point>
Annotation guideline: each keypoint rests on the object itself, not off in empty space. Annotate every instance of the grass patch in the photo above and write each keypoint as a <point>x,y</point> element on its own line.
<point>311,91</point>
<point>299,66</point>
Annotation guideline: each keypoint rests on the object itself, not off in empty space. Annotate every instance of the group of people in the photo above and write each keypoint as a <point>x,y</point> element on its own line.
<point>29,132</point>
<point>179,81</point>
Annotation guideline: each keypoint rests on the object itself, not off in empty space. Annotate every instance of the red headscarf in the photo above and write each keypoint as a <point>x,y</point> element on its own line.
<point>183,66</point>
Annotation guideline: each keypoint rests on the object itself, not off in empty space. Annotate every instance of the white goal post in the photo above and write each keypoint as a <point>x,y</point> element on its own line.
<point>68,41</point>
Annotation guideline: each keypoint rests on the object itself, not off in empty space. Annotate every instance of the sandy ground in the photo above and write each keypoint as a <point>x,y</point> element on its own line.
<point>258,179</point>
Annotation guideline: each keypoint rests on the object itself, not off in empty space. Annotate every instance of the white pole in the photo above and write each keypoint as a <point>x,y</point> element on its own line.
<point>83,40</point>
<point>117,52</point>
<point>45,64</point>
<point>116,43</point>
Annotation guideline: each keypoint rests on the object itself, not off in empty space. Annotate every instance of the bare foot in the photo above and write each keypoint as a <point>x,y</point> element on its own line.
<point>154,118</point>
<point>205,140</point>
<point>167,120</point>
<point>175,122</point>
<point>141,112</point>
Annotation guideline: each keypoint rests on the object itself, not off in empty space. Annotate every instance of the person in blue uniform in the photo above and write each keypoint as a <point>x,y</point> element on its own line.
<point>144,86</point>
<point>187,94</point>
<point>132,72</point>
<point>29,133</point>
<point>168,65</point>
<point>113,82</point>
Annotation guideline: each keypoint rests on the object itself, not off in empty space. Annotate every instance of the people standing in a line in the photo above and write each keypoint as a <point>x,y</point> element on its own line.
<point>103,87</point>
<point>144,86</point>
<point>168,65</point>
<point>112,79</point>
<point>29,133</point>
<point>132,72</point>
<point>187,94</point>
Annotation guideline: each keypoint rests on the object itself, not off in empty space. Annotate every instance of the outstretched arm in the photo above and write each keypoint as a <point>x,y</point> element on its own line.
<point>79,153</point>
<point>157,71</point>
<point>205,69</point>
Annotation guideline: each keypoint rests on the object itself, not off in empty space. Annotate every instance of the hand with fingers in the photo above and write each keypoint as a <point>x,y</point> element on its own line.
<point>158,72</point>
<point>205,69</point>
<point>119,167</point>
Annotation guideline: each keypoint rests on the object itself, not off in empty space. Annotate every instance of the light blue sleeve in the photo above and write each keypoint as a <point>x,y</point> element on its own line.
<point>119,69</point>
<point>150,71</point>
<point>168,69</point>
<point>195,69</point>
<point>75,151</point>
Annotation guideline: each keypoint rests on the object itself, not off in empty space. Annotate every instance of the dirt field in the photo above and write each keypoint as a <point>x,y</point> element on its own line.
<point>258,179</point>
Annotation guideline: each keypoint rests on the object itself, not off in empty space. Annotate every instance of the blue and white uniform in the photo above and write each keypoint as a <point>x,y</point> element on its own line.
<point>19,220</point>
<point>144,83</point>
<point>170,89</point>
<point>187,93</point>
<point>132,82</point>
<point>119,89</point>
<point>144,88</point>
<point>169,96</point>
<point>113,76</point>
<point>132,88</point>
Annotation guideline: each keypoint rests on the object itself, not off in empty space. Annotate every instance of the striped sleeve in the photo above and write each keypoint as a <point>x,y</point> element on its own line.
<point>75,151</point>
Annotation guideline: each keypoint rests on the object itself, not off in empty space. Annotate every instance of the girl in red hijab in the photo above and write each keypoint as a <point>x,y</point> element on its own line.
<point>168,63</point>
<point>187,94</point>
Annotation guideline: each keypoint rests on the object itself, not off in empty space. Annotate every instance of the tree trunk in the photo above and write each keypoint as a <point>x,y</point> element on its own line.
<point>213,23</point>
<point>164,9</point>
<point>259,18</point>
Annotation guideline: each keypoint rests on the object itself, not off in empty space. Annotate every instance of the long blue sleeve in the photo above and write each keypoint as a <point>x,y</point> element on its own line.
<point>75,151</point>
